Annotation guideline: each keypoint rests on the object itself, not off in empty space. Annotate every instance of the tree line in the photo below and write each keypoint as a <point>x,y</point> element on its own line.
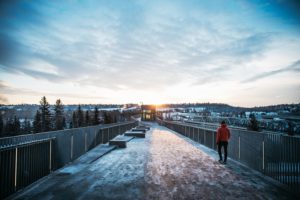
<point>46,119</point>
<point>55,118</point>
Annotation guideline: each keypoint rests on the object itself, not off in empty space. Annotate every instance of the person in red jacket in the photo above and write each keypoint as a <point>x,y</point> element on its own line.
<point>223,135</point>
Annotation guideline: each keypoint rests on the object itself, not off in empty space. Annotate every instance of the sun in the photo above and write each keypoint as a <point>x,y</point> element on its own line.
<point>153,101</point>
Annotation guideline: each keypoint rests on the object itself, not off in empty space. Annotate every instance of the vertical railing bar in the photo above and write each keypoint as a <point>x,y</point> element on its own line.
<point>16,167</point>
<point>284,168</point>
<point>278,162</point>
<point>5,173</point>
<point>193,133</point>
<point>22,166</point>
<point>27,166</point>
<point>30,164</point>
<point>36,147</point>
<point>95,138</point>
<point>271,156</point>
<point>239,147</point>
<point>204,133</point>
<point>294,161</point>
<point>288,163</point>
<point>8,170</point>
<point>85,141</point>
<point>263,155</point>
<point>50,156</point>
<point>102,137</point>
<point>71,147</point>
<point>212,141</point>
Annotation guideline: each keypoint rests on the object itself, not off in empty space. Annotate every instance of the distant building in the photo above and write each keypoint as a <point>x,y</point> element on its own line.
<point>148,112</point>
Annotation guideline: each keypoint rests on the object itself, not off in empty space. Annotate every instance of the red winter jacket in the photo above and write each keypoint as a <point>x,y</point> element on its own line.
<point>223,133</point>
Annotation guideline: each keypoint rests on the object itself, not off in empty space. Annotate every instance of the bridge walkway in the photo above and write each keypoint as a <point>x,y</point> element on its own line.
<point>164,165</point>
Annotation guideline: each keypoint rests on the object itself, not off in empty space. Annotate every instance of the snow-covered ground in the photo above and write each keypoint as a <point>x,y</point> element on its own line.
<point>164,165</point>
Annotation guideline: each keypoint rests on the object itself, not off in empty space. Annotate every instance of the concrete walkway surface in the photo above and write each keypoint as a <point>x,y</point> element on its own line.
<point>164,165</point>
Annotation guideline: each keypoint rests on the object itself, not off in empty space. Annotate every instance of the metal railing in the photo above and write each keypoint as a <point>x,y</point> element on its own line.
<point>274,155</point>
<point>27,158</point>
<point>24,163</point>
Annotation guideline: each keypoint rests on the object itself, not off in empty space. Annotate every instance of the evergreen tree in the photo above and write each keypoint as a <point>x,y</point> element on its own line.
<point>71,125</point>
<point>80,117</point>
<point>26,127</point>
<point>290,129</point>
<point>59,115</point>
<point>107,118</point>
<point>253,124</point>
<point>87,118</point>
<point>16,126</point>
<point>64,122</point>
<point>37,123</point>
<point>45,114</point>
<point>9,127</point>
<point>1,126</point>
<point>96,116</point>
<point>74,120</point>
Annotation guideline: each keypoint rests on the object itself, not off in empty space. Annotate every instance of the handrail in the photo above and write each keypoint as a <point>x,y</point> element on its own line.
<point>22,144</point>
<point>94,126</point>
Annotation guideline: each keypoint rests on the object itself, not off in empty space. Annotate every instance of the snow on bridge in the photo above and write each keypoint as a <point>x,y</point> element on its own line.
<point>164,165</point>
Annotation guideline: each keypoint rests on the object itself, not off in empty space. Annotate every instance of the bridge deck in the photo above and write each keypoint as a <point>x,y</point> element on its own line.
<point>164,165</point>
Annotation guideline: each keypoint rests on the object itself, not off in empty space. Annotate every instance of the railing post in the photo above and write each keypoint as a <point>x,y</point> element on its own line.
<point>71,147</point>
<point>213,140</point>
<point>204,132</point>
<point>50,156</point>
<point>96,137</point>
<point>193,133</point>
<point>263,156</point>
<point>102,137</point>
<point>239,147</point>
<point>85,142</point>
<point>16,167</point>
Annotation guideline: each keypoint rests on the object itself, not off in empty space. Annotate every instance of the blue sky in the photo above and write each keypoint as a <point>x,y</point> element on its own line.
<point>244,53</point>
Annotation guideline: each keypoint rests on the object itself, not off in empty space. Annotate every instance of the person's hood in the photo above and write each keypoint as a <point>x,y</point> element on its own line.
<point>223,125</point>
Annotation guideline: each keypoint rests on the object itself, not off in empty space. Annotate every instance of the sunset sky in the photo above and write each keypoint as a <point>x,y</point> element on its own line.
<point>244,53</point>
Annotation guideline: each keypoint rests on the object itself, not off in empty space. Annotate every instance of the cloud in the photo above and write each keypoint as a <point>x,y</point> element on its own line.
<point>224,62</point>
<point>293,67</point>
<point>3,99</point>
<point>164,45</point>
<point>7,90</point>
<point>137,46</point>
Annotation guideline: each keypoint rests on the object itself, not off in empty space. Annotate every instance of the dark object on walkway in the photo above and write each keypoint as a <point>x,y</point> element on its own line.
<point>223,135</point>
<point>139,130</point>
<point>120,141</point>
<point>139,134</point>
<point>144,127</point>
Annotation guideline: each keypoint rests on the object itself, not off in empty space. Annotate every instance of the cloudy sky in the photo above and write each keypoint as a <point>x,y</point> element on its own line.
<point>244,53</point>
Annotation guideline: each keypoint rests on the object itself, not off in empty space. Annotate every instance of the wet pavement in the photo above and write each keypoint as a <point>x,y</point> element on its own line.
<point>164,165</point>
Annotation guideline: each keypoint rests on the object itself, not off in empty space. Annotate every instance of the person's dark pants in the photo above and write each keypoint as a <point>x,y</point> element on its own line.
<point>224,144</point>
